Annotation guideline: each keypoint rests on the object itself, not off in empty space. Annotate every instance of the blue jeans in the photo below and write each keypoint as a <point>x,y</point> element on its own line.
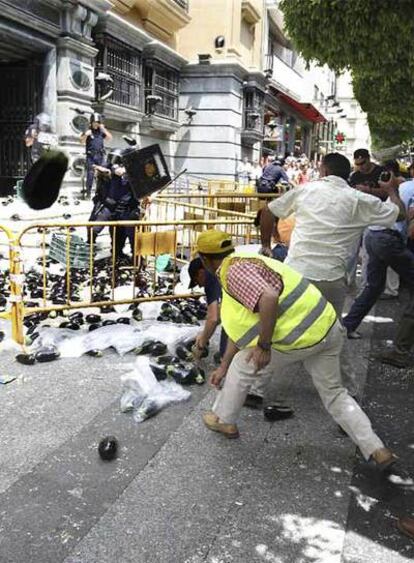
<point>384,248</point>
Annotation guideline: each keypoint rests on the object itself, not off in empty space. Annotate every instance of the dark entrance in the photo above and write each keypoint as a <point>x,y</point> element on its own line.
<point>20,102</point>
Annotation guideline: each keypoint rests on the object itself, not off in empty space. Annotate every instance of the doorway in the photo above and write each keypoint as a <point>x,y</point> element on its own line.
<point>20,102</point>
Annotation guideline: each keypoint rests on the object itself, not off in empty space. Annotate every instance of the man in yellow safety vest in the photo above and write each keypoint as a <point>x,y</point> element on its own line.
<point>274,317</point>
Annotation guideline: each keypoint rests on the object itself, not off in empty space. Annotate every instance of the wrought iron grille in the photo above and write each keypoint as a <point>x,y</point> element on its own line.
<point>162,83</point>
<point>182,3</point>
<point>123,64</point>
<point>253,110</point>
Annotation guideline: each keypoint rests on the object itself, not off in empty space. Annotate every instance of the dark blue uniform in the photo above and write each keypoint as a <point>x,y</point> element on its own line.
<point>272,174</point>
<point>95,152</point>
<point>114,201</point>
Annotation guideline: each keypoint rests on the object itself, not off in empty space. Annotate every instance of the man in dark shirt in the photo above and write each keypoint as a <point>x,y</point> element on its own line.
<point>366,175</point>
<point>95,150</point>
<point>201,277</point>
<point>273,173</point>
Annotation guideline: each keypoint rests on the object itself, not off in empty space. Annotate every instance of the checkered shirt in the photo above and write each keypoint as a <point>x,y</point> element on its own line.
<point>247,279</point>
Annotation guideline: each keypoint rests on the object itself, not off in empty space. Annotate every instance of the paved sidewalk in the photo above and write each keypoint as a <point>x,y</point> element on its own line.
<point>288,492</point>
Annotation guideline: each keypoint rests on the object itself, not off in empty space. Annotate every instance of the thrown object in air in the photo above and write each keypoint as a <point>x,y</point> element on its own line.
<point>108,448</point>
<point>147,170</point>
<point>42,183</point>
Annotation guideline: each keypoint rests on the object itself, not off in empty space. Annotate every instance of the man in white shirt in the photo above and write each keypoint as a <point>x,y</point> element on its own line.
<point>330,218</point>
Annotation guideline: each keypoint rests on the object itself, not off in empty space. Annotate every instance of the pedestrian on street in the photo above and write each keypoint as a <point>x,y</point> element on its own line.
<point>94,138</point>
<point>273,317</point>
<point>330,218</point>
<point>386,246</point>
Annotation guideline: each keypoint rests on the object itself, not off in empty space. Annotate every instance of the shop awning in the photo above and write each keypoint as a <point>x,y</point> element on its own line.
<point>307,111</point>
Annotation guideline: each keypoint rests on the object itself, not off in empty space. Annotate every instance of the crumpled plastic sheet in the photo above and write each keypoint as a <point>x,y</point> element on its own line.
<point>123,338</point>
<point>146,396</point>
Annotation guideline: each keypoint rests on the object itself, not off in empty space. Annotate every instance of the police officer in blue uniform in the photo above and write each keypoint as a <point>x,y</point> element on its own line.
<point>114,201</point>
<point>94,139</point>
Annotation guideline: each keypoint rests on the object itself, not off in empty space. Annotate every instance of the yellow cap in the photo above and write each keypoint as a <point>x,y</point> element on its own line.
<point>214,242</point>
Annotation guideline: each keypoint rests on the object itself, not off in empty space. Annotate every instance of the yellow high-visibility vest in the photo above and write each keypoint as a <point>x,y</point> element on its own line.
<point>304,316</point>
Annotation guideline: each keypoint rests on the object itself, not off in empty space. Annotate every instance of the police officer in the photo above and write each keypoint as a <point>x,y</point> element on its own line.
<point>95,151</point>
<point>272,174</point>
<point>114,201</point>
<point>33,135</point>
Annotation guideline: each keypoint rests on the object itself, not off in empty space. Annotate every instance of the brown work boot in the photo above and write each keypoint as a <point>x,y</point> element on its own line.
<point>383,458</point>
<point>406,526</point>
<point>213,423</point>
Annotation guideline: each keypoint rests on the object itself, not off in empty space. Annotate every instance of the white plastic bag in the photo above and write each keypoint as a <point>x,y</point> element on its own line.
<point>141,383</point>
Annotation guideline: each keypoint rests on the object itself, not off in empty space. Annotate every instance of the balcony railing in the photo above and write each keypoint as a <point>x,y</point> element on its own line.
<point>182,3</point>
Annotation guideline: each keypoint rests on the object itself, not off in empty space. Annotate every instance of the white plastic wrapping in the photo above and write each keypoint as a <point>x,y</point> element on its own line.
<point>123,338</point>
<point>146,396</point>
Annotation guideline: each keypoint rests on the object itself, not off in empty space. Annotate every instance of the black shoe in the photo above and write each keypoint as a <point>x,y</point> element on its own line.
<point>253,401</point>
<point>394,358</point>
<point>277,411</point>
<point>354,335</point>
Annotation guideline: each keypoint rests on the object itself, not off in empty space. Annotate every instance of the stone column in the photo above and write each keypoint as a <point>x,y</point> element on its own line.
<point>75,77</point>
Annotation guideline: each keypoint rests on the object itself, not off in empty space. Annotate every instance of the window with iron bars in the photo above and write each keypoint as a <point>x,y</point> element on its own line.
<point>253,112</point>
<point>182,3</point>
<point>123,64</point>
<point>161,84</point>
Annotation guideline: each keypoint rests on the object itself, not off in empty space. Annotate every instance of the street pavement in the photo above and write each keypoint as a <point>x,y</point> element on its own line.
<point>293,491</point>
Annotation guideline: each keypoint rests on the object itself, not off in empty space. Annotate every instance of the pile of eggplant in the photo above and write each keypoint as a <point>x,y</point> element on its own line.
<point>180,367</point>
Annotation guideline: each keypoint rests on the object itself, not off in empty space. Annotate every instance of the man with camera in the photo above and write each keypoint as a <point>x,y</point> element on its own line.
<point>366,175</point>
<point>94,139</point>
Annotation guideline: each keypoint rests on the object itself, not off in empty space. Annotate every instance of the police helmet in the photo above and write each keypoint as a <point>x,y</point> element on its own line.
<point>115,157</point>
<point>96,117</point>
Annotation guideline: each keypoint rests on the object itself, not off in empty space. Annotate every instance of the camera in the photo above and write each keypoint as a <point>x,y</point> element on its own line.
<point>385,176</point>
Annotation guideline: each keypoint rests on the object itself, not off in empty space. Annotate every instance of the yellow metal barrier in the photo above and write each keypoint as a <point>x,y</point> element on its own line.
<point>228,203</point>
<point>150,240</point>
<point>15,311</point>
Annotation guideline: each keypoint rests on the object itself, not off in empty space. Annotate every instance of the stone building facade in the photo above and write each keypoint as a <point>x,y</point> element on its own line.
<point>211,82</point>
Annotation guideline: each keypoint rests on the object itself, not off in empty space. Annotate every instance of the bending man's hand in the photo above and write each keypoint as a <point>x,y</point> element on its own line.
<point>259,357</point>
<point>217,376</point>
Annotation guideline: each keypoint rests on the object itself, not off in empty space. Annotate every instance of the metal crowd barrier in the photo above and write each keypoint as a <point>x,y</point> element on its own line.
<point>245,204</point>
<point>12,281</point>
<point>81,263</point>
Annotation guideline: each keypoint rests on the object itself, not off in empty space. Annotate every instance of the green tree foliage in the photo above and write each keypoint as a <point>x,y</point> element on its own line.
<point>375,40</point>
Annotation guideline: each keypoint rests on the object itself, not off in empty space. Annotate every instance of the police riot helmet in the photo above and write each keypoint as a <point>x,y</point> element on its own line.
<point>115,157</point>
<point>43,121</point>
<point>96,118</point>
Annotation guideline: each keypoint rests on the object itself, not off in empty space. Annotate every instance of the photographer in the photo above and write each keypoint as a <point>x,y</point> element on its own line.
<point>114,201</point>
<point>366,175</point>
<point>94,139</point>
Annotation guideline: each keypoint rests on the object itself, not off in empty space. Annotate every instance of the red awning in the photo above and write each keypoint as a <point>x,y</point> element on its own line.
<point>307,111</point>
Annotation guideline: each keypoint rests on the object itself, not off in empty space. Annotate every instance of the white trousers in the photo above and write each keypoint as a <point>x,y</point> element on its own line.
<point>322,363</point>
